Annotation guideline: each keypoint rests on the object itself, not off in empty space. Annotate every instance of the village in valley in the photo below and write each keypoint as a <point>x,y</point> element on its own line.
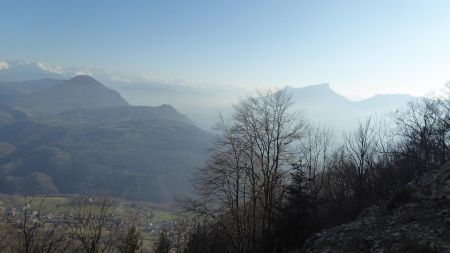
<point>60,210</point>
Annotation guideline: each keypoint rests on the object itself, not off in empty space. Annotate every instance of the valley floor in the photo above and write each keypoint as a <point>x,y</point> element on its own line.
<point>150,218</point>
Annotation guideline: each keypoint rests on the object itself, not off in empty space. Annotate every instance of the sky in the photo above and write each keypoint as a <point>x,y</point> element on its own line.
<point>359,47</point>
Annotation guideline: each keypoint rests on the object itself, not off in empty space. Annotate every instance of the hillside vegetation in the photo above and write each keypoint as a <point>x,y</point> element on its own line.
<point>80,137</point>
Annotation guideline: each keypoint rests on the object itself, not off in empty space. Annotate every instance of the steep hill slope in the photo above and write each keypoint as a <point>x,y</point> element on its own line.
<point>78,136</point>
<point>140,153</point>
<point>116,115</point>
<point>415,219</point>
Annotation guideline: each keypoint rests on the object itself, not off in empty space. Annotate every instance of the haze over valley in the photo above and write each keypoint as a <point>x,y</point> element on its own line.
<point>205,103</point>
<point>224,126</point>
<point>57,125</point>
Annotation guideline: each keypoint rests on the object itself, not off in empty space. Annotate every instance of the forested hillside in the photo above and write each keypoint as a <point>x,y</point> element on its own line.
<point>80,137</point>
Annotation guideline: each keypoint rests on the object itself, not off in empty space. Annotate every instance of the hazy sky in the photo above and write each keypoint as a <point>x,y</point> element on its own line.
<point>359,47</point>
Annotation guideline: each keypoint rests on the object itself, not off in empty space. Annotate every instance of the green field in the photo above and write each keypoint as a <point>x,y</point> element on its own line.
<point>64,204</point>
<point>150,216</point>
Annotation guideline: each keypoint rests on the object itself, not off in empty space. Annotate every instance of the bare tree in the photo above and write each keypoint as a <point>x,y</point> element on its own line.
<point>225,188</point>
<point>30,233</point>
<point>4,229</point>
<point>315,154</point>
<point>243,182</point>
<point>360,146</point>
<point>424,128</point>
<point>339,187</point>
<point>92,225</point>
<point>179,234</point>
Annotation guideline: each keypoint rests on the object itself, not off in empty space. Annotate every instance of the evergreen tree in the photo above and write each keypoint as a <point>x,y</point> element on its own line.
<point>131,242</point>
<point>294,217</point>
<point>163,244</point>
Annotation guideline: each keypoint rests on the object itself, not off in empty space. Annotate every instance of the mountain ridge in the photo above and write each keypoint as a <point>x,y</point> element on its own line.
<point>41,70</point>
<point>320,103</point>
<point>79,92</point>
<point>323,106</point>
<point>134,152</point>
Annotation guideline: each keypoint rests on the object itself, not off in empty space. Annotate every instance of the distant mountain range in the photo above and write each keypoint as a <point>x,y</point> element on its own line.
<point>22,70</point>
<point>78,136</point>
<point>323,106</point>
<point>78,92</point>
<point>203,104</point>
<point>68,133</point>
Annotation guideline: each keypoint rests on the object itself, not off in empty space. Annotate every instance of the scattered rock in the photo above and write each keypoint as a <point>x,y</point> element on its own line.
<point>443,212</point>
<point>417,221</point>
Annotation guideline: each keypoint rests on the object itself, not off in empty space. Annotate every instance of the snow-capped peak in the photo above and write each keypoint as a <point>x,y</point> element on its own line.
<point>4,65</point>
<point>23,70</point>
<point>49,68</point>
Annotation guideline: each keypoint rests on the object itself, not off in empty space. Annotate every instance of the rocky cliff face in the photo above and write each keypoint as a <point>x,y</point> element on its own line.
<point>415,219</point>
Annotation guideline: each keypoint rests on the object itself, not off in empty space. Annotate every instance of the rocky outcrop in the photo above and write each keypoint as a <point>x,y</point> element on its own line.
<point>415,219</point>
